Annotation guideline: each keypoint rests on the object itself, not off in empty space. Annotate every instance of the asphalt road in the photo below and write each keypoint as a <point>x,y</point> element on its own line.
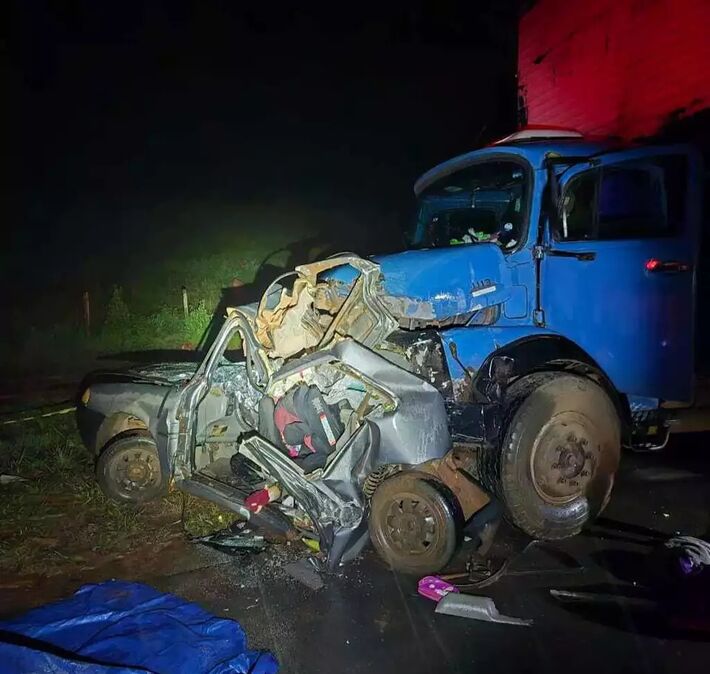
<point>367,619</point>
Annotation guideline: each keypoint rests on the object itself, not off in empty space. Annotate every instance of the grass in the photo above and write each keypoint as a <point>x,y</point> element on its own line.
<point>134,272</point>
<point>136,301</point>
<point>59,519</point>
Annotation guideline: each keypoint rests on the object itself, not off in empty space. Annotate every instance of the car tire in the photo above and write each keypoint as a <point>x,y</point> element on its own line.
<point>128,470</point>
<point>415,523</point>
<point>555,469</point>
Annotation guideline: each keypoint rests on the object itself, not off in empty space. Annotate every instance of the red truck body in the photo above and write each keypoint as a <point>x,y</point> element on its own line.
<point>625,68</point>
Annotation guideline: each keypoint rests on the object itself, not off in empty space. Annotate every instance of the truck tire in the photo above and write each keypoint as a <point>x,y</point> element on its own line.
<point>128,469</point>
<point>560,449</point>
<point>415,523</point>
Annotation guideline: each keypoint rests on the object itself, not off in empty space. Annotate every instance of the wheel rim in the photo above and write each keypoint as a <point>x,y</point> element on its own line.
<point>135,470</point>
<point>410,526</point>
<point>565,457</point>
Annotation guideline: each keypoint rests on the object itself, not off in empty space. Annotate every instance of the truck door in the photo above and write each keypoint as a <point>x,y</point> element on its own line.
<point>618,269</point>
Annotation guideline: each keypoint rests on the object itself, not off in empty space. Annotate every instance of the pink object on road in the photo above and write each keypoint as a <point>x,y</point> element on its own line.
<point>434,588</point>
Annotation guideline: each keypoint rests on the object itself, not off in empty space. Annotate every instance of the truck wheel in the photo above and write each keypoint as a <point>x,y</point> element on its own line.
<point>128,470</point>
<point>555,469</point>
<point>415,523</point>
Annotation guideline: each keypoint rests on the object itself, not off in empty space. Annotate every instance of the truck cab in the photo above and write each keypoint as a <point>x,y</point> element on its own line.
<point>580,253</point>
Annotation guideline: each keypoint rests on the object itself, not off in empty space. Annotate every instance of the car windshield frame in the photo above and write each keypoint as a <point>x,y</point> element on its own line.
<point>526,196</point>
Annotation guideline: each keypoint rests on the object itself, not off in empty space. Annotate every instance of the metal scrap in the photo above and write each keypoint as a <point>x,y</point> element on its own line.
<point>234,540</point>
<point>313,314</point>
<point>451,471</point>
<point>293,325</point>
<point>476,608</point>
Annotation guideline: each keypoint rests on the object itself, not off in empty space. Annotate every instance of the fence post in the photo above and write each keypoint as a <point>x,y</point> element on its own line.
<point>185,307</point>
<point>87,312</point>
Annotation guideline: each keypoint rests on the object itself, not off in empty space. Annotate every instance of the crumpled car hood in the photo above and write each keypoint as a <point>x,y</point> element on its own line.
<point>440,284</point>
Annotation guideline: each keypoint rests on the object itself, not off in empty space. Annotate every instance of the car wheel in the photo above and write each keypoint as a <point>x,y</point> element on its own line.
<point>555,469</point>
<point>415,523</point>
<point>128,470</point>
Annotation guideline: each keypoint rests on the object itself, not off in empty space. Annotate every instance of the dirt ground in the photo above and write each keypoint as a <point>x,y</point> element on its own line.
<point>57,526</point>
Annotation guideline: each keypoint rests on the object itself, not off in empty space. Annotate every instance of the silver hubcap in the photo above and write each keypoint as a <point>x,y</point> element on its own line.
<point>410,525</point>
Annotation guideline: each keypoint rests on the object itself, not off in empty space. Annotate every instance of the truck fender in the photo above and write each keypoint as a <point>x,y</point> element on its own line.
<point>496,357</point>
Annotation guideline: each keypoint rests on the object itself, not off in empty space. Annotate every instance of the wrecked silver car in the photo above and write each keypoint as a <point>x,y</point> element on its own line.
<point>332,426</point>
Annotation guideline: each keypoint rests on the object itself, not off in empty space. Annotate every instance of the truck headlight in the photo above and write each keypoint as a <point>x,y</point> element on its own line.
<point>85,396</point>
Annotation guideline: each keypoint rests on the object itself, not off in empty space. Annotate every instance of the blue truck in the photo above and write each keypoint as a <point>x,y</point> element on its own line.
<point>540,320</point>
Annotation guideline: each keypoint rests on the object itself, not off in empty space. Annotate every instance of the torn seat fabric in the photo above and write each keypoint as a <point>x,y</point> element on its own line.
<point>308,427</point>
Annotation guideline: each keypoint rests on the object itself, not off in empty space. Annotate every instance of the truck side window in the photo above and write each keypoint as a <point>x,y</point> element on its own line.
<point>578,221</point>
<point>631,203</point>
<point>631,200</point>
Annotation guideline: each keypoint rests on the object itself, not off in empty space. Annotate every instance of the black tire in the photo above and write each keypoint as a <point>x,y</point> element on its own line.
<point>128,470</point>
<point>559,454</point>
<point>415,523</point>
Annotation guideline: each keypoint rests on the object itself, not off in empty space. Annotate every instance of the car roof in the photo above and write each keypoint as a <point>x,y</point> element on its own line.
<point>532,151</point>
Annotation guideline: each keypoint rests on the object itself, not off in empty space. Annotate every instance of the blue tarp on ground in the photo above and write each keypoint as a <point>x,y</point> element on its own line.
<point>127,628</point>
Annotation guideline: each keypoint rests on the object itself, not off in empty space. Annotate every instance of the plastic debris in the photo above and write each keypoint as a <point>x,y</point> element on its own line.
<point>693,553</point>
<point>9,479</point>
<point>476,608</point>
<point>262,497</point>
<point>235,540</point>
<point>313,544</point>
<point>434,588</point>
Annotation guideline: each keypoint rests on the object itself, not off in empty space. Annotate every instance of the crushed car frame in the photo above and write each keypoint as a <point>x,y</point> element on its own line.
<point>324,432</point>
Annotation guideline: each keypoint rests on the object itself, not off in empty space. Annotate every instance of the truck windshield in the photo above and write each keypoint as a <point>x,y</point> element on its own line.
<point>481,203</point>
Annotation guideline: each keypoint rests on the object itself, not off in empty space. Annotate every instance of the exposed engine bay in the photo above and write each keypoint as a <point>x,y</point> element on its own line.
<point>330,405</point>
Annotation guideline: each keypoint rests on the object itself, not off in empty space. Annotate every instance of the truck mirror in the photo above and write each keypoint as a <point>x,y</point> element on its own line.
<point>565,205</point>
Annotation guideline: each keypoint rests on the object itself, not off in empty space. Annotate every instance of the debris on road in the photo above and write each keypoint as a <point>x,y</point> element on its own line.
<point>476,608</point>
<point>434,588</point>
<point>234,540</point>
<point>693,553</point>
<point>577,597</point>
<point>671,587</point>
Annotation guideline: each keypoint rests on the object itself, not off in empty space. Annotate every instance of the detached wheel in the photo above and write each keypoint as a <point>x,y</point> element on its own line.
<point>414,523</point>
<point>560,452</point>
<point>128,470</point>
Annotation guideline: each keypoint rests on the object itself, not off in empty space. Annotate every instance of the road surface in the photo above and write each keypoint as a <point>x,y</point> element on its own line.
<point>369,620</point>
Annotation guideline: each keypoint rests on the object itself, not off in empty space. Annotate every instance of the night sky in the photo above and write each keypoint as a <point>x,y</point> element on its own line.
<point>117,108</point>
